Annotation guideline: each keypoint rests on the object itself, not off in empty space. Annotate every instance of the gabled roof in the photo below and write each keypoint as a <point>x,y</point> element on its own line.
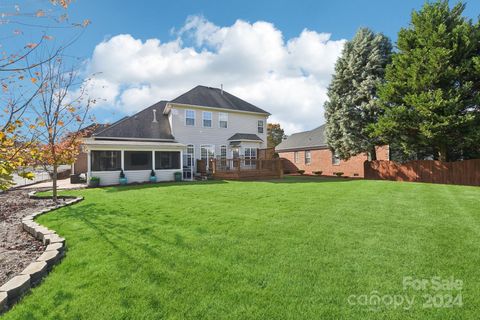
<point>244,136</point>
<point>303,140</point>
<point>215,98</point>
<point>140,126</point>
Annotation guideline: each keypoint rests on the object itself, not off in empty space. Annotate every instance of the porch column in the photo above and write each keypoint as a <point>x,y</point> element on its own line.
<point>89,164</point>
<point>181,160</point>
<point>153,160</point>
<point>122,159</point>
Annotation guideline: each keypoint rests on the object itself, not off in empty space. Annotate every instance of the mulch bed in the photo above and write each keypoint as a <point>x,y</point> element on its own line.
<point>17,248</point>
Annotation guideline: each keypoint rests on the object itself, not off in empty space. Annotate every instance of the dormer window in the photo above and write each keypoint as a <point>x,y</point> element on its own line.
<point>207,119</point>
<point>260,126</point>
<point>190,117</point>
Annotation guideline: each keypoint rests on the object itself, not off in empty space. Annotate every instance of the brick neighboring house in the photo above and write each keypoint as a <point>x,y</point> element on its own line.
<point>309,151</point>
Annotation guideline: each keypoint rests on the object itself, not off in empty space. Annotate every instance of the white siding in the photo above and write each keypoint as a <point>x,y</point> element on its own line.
<point>108,178</point>
<point>198,135</point>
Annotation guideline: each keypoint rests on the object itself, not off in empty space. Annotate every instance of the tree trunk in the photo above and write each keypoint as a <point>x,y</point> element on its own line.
<point>54,183</point>
<point>373,153</point>
<point>442,153</point>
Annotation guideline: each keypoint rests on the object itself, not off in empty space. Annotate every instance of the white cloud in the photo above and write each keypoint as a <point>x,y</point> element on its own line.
<point>288,78</point>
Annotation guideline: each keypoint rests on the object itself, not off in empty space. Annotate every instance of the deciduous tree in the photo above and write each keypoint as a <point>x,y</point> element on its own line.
<point>275,134</point>
<point>61,109</point>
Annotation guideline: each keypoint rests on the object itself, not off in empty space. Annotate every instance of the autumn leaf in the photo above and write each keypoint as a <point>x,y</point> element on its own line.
<point>34,80</point>
<point>85,23</point>
<point>32,126</point>
<point>47,37</point>
<point>60,123</point>
<point>31,45</point>
<point>40,13</point>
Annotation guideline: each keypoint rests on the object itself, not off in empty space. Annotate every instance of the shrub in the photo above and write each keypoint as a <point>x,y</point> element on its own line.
<point>338,174</point>
<point>94,179</point>
<point>318,173</point>
<point>301,171</point>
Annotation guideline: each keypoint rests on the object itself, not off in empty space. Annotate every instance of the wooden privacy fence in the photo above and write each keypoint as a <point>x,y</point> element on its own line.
<point>465,172</point>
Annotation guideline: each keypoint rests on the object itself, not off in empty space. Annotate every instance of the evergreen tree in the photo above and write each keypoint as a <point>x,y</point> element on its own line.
<point>353,106</point>
<point>430,100</point>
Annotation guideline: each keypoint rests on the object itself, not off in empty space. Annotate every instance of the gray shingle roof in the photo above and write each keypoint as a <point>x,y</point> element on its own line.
<point>141,125</point>
<point>213,97</point>
<point>303,140</point>
<point>244,136</point>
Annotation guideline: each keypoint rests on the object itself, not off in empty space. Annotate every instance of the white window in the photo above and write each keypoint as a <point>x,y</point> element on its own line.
<point>207,119</point>
<point>207,152</point>
<point>223,152</point>
<point>189,156</point>
<point>296,157</point>
<point>250,154</point>
<point>308,158</point>
<point>335,159</point>
<point>223,120</point>
<point>260,126</point>
<point>190,117</point>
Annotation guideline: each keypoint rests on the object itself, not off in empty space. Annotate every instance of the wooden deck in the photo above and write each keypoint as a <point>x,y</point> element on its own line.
<point>246,169</point>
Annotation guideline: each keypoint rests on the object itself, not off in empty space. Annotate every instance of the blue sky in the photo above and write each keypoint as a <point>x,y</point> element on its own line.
<point>155,19</point>
<point>278,55</point>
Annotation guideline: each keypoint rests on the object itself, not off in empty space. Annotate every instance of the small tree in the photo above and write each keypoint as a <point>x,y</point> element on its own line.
<point>275,134</point>
<point>19,81</point>
<point>62,110</point>
<point>353,107</point>
<point>431,98</point>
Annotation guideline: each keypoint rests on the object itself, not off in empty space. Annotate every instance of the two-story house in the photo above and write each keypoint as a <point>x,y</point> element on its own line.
<point>169,136</point>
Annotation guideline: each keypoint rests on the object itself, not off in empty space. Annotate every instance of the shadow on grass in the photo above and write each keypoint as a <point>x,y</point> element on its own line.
<point>308,179</point>
<point>159,185</point>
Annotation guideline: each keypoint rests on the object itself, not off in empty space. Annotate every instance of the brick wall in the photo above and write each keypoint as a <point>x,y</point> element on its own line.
<point>322,161</point>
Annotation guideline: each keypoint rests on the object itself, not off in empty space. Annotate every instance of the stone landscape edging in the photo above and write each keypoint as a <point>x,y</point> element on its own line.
<point>13,290</point>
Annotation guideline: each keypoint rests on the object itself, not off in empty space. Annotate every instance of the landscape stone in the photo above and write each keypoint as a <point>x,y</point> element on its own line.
<point>53,238</point>
<point>55,246</point>
<point>36,271</point>
<point>3,301</point>
<point>50,257</point>
<point>16,287</point>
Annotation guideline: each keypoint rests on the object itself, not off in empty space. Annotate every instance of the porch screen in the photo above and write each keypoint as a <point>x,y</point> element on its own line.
<point>167,160</point>
<point>106,160</point>
<point>138,160</point>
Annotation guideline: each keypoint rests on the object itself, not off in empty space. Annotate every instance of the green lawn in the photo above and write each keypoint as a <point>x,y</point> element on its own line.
<point>298,248</point>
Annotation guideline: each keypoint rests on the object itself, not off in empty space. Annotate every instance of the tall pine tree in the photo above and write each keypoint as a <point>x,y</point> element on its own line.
<point>431,97</point>
<point>353,105</point>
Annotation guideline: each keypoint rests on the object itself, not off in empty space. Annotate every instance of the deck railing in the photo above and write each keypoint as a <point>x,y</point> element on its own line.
<point>246,168</point>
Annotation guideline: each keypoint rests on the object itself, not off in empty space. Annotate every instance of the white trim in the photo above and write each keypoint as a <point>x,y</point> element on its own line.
<point>132,139</point>
<point>89,164</point>
<point>182,105</point>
